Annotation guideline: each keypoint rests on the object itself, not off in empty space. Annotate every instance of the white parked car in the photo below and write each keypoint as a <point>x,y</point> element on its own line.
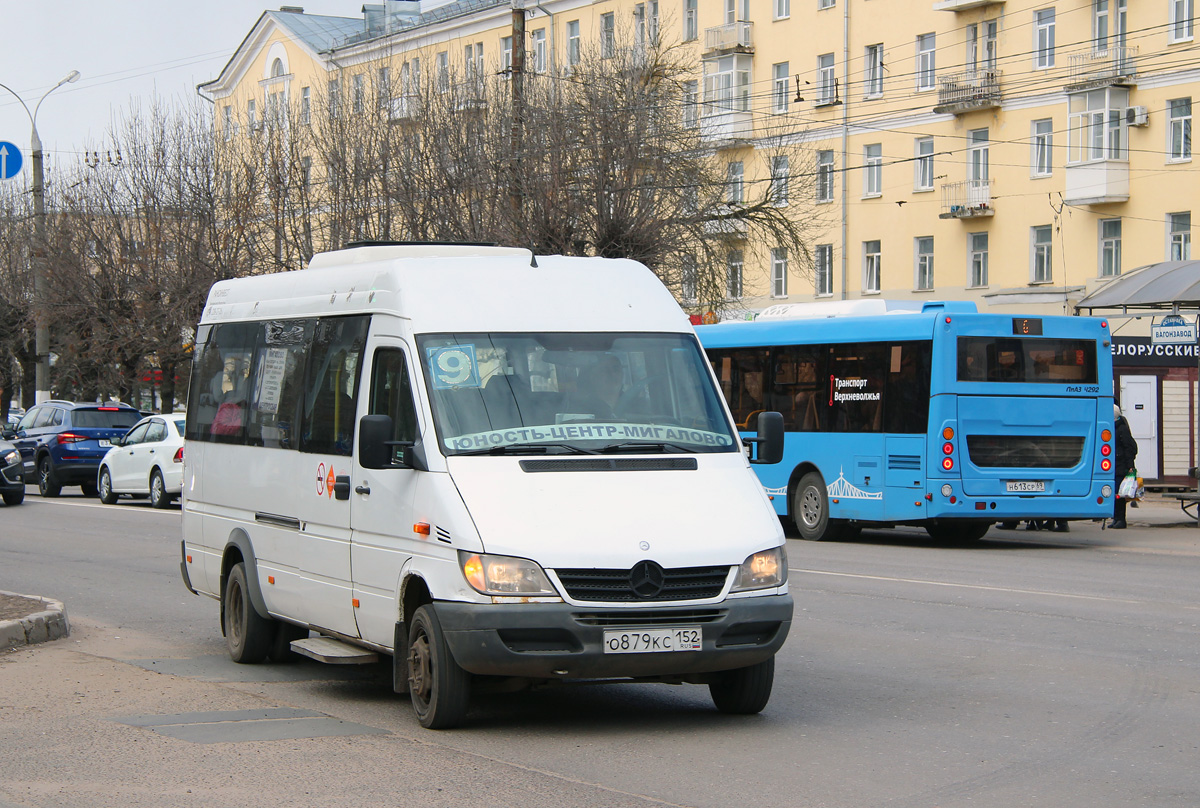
<point>148,460</point>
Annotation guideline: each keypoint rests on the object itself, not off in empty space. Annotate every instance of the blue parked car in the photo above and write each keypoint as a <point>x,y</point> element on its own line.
<point>62,442</point>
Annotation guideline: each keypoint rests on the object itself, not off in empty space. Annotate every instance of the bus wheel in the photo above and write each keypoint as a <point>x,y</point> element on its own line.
<point>965,530</point>
<point>744,691</point>
<point>810,509</point>
<point>439,688</point>
<point>247,634</point>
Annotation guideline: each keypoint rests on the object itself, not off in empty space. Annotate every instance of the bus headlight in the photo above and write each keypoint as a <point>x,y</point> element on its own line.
<point>764,569</point>
<point>504,575</point>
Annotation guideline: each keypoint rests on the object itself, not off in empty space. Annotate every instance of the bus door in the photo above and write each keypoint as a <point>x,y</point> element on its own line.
<point>382,516</point>
<point>332,390</point>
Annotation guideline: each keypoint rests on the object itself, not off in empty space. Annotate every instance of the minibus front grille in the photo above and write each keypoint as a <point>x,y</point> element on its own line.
<point>681,583</point>
<point>611,464</point>
<point>1025,451</point>
<point>661,617</point>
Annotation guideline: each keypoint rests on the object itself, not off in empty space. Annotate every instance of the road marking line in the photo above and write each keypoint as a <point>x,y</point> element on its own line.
<point>966,586</point>
<point>67,503</point>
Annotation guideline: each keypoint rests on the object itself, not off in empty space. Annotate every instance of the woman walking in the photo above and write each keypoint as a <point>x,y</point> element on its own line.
<point>1126,454</point>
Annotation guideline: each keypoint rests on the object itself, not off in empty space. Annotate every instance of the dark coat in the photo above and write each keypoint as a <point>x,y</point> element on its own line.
<point>1126,447</point>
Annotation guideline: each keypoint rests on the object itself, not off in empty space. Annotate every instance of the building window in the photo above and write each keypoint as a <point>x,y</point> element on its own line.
<point>734,186</point>
<point>783,9</point>
<point>1181,20</point>
<point>574,43</point>
<point>688,283</point>
<point>359,93</point>
<point>825,4</point>
<point>727,87</point>
<point>1043,38</point>
<point>871,266</point>
<point>384,86</point>
<point>923,282</point>
<point>780,174</point>
<point>1181,128</point>
<point>823,261</point>
<point>873,169</point>
<point>780,82</point>
<point>227,123</point>
<point>335,98</point>
<point>825,175</point>
<point>874,71</point>
<point>305,172</point>
<point>305,105</point>
<point>691,27</point>
<point>978,260</point>
<point>506,54</point>
<point>924,179</point>
<point>1043,267</point>
<point>926,62</point>
<point>443,71</point>
<point>1110,248</point>
<point>539,50</point>
<point>691,104</point>
<point>1097,125</point>
<point>826,79</point>
<point>252,115</point>
<point>733,275</point>
<point>1043,144</point>
<point>978,157</point>
<point>1179,232</point>
<point>779,273</point>
<point>608,35</point>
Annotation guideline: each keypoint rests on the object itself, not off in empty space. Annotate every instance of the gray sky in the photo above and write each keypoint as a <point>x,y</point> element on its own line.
<point>126,50</point>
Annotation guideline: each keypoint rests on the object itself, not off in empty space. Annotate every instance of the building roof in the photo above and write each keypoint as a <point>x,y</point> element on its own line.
<point>1152,287</point>
<point>318,32</point>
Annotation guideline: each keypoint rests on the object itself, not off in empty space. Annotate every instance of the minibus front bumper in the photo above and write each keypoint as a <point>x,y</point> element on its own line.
<point>561,641</point>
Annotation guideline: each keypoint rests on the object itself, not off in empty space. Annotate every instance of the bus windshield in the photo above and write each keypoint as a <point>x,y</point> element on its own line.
<point>572,393</point>
<point>1038,360</point>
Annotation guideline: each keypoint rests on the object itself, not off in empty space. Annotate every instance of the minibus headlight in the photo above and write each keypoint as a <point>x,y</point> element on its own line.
<point>504,575</point>
<point>766,568</point>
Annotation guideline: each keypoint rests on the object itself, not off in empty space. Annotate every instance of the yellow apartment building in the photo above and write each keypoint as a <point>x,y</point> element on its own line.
<point>1016,153</point>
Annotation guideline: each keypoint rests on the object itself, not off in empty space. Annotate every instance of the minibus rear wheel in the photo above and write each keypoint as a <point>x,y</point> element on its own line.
<point>439,688</point>
<point>744,691</point>
<point>247,634</point>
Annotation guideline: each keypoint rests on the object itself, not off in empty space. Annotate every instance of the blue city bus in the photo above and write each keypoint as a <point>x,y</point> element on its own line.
<point>941,416</point>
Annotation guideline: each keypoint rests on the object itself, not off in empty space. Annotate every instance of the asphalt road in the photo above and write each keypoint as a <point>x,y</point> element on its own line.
<point>1029,669</point>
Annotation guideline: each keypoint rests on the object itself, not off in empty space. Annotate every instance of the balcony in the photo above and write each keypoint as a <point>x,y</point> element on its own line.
<point>1100,68</point>
<point>470,94</point>
<point>963,5</point>
<point>971,199</point>
<point>1097,183</point>
<point>734,37</point>
<point>963,92</point>
<point>721,127</point>
<point>404,107</point>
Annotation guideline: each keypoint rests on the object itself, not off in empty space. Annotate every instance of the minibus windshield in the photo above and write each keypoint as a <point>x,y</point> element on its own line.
<point>572,393</point>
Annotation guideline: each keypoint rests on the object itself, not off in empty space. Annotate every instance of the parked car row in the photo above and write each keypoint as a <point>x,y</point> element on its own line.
<point>110,450</point>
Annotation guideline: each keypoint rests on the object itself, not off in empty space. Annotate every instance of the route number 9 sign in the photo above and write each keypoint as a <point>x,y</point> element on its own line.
<point>453,366</point>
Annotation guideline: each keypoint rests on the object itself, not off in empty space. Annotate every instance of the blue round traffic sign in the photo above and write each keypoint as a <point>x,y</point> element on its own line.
<point>10,160</point>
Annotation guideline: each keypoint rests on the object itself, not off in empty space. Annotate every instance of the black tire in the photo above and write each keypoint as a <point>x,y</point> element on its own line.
<point>810,512</point>
<point>744,691</point>
<point>439,688</point>
<point>89,488</point>
<point>104,487</point>
<point>14,498</point>
<point>964,530</point>
<point>159,498</point>
<point>281,645</point>
<point>48,484</point>
<point>248,635</point>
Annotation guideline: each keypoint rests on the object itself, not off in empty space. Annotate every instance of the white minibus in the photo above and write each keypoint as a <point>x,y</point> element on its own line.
<point>491,466</point>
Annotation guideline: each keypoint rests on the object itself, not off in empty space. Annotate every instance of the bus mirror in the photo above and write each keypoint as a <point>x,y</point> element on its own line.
<point>374,432</point>
<point>769,443</point>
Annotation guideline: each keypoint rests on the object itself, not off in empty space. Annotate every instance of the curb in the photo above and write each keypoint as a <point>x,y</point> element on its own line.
<point>43,626</point>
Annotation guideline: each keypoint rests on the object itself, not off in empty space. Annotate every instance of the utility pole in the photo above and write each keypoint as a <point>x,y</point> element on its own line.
<point>518,107</point>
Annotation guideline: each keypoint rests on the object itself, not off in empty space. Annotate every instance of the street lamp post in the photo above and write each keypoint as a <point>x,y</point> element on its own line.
<point>42,329</point>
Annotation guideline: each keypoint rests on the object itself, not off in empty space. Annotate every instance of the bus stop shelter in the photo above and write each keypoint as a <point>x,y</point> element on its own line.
<point>1168,287</point>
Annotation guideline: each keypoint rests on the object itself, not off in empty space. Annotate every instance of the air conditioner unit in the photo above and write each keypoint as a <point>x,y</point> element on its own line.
<point>1137,116</point>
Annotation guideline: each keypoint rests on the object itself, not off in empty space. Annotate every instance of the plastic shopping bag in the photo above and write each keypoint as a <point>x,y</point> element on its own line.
<point>1129,486</point>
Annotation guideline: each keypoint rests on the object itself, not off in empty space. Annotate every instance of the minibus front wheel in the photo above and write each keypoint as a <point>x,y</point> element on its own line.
<point>744,691</point>
<point>439,688</point>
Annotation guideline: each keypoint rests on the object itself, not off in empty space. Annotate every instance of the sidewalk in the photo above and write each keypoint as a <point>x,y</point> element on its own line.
<point>25,620</point>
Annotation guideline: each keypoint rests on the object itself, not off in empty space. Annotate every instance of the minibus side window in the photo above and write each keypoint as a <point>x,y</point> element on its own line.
<point>279,383</point>
<point>391,394</point>
<point>221,384</point>
<point>331,387</point>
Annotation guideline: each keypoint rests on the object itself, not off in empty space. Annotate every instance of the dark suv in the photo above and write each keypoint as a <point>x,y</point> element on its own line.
<point>62,442</point>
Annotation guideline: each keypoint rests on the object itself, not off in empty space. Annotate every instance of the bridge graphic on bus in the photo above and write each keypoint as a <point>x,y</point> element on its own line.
<point>840,488</point>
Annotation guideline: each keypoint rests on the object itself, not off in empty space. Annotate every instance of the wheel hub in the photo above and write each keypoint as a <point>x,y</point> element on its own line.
<point>419,671</point>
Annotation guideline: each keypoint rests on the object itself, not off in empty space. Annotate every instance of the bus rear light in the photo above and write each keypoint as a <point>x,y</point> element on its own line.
<point>1106,491</point>
<point>953,500</point>
<point>1106,450</point>
<point>948,463</point>
<point>1104,323</point>
<point>1106,436</point>
<point>981,506</point>
<point>1106,465</point>
<point>947,448</point>
<point>947,321</point>
<point>948,433</point>
<point>1099,500</point>
<point>947,490</point>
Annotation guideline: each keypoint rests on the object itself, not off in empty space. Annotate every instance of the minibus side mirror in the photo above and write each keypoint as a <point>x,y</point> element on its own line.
<point>767,448</point>
<point>376,449</point>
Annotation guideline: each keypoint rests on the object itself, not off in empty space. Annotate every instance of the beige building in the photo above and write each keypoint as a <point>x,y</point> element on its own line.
<point>1015,153</point>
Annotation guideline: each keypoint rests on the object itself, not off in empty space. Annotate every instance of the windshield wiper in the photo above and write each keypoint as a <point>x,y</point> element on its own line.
<point>528,448</point>
<point>645,446</point>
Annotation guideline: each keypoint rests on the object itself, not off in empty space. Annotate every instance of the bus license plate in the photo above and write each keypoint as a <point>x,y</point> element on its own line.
<point>652,640</point>
<point>1023,486</point>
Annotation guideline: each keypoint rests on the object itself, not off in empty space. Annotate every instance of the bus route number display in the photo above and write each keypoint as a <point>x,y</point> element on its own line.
<point>1027,326</point>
